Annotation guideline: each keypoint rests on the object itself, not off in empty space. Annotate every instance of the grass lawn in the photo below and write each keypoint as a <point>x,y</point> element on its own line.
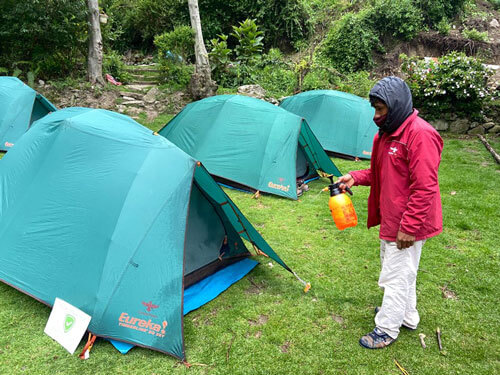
<point>266,324</point>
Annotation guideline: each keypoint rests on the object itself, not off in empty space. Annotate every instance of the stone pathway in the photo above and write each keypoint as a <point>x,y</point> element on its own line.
<point>139,95</point>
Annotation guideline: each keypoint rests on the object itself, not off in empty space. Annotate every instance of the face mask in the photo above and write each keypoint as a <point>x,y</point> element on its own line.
<point>380,120</point>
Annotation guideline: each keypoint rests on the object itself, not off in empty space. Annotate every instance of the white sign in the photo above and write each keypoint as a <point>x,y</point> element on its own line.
<point>67,324</point>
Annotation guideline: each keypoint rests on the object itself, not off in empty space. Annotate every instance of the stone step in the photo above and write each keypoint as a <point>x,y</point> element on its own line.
<point>155,68</point>
<point>145,83</point>
<point>145,77</point>
<point>139,88</point>
<point>131,94</point>
<point>135,103</point>
<point>139,78</point>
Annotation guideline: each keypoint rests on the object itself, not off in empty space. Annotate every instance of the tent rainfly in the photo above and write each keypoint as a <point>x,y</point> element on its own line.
<point>249,143</point>
<point>105,214</point>
<point>20,106</point>
<point>342,122</point>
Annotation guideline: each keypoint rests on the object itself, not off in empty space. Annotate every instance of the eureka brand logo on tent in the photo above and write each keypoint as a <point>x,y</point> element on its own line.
<point>69,322</point>
<point>272,185</point>
<point>8,144</point>
<point>141,325</point>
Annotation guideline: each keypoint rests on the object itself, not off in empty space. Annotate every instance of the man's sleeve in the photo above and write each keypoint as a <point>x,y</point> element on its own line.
<point>362,177</point>
<point>424,156</point>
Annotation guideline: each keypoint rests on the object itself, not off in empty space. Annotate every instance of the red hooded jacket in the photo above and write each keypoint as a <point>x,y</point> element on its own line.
<point>403,177</point>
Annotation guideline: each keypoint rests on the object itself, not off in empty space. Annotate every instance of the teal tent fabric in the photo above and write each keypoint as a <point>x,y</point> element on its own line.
<point>249,142</point>
<point>205,290</point>
<point>342,122</point>
<point>20,106</point>
<point>95,208</point>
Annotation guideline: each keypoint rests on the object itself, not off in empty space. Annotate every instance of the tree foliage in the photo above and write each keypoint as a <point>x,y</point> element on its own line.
<point>50,35</point>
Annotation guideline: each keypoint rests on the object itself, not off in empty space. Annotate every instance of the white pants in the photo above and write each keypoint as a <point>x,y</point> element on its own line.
<point>398,280</point>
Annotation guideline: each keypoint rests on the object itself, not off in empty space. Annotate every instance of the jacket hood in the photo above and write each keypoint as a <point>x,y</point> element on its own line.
<point>395,93</point>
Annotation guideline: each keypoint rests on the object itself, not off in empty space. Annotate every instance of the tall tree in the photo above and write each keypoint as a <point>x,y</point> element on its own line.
<point>95,44</point>
<point>201,85</point>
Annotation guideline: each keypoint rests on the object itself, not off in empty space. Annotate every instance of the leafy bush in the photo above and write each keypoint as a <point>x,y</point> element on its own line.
<point>453,83</point>
<point>233,67</point>
<point>178,42</point>
<point>398,18</point>
<point>175,51</point>
<point>113,64</point>
<point>51,35</point>
<point>496,3</point>
<point>249,39</point>
<point>443,27</point>
<point>433,11</point>
<point>349,44</point>
<point>275,75</point>
<point>473,34</point>
<point>358,83</point>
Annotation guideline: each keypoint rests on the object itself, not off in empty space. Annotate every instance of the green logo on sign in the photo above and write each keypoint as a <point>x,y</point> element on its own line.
<point>68,323</point>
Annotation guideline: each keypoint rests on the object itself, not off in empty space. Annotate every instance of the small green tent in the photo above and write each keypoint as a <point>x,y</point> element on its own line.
<point>20,106</point>
<point>97,210</point>
<point>249,143</point>
<point>342,122</point>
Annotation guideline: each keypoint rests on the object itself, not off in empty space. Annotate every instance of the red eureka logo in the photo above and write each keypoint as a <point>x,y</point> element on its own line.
<point>141,325</point>
<point>150,305</point>
<point>8,144</point>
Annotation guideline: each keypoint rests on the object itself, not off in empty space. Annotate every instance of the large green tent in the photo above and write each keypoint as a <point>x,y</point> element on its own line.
<point>20,106</point>
<point>250,143</point>
<point>98,211</point>
<point>342,122</point>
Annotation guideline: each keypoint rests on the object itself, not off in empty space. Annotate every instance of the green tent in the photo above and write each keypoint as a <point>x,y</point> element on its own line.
<point>249,143</point>
<point>97,210</point>
<point>342,122</point>
<point>20,106</point>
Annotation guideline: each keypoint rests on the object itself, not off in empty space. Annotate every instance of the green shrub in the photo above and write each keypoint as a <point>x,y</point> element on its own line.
<point>496,3</point>
<point>179,42</point>
<point>238,66</point>
<point>349,44</point>
<point>433,11</point>
<point>113,64</point>
<point>275,75</point>
<point>358,83</point>
<point>453,83</point>
<point>249,38</point>
<point>398,18</point>
<point>51,35</point>
<point>443,27</point>
<point>473,34</point>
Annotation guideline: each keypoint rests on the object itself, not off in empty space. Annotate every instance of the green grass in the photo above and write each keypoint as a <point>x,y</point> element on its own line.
<point>265,324</point>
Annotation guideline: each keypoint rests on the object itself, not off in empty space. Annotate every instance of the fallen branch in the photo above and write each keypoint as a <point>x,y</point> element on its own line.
<point>489,148</point>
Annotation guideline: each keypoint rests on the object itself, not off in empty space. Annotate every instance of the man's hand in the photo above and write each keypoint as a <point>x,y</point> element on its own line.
<point>404,240</point>
<point>345,181</point>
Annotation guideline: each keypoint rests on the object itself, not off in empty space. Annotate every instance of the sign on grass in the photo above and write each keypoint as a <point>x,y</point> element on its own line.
<point>67,324</point>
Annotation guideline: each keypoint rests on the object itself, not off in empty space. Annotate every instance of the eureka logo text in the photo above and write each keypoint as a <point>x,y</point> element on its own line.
<point>141,325</point>
<point>272,185</point>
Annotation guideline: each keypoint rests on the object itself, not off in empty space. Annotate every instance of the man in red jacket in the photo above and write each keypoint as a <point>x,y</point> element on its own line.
<point>404,199</point>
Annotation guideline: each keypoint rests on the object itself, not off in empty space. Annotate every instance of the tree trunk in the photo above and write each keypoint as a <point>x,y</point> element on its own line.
<point>95,44</point>
<point>201,85</point>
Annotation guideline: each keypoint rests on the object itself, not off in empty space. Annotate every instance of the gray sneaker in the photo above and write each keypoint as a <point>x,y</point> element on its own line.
<point>376,339</point>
